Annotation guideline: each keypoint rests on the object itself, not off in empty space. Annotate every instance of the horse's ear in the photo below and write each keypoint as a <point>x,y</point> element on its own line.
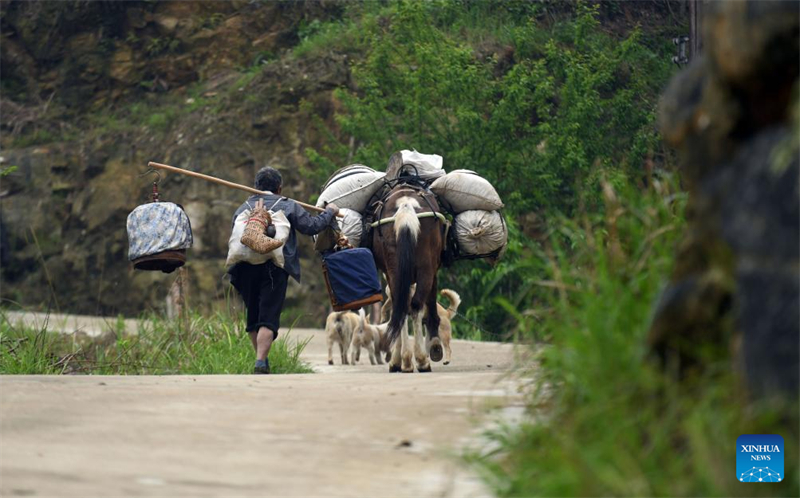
<point>395,163</point>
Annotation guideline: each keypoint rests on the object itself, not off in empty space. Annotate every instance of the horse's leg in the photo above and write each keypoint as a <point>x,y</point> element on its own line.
<point>423,364</point>
<point>396,349</point>
<point>407,351</point>
<point>425,297</point>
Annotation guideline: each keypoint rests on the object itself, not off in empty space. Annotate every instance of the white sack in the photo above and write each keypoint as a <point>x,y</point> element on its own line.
<point>238,252</point>
<point>465,190</point>
<point>480,232</point>
<point>351,187</point>
<point>351,226</point>
<point>428,166</point>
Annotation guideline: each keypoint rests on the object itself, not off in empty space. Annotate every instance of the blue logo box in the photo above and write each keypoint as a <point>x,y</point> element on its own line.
<point>759,458</point>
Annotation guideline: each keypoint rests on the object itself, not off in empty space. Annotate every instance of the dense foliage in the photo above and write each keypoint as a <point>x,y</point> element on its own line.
<point>562,108</point>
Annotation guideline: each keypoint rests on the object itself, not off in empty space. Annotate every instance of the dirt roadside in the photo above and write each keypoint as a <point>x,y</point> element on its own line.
<point>344,431</point>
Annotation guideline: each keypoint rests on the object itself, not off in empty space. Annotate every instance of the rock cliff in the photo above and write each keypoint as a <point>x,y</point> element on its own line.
<point>92,91</point>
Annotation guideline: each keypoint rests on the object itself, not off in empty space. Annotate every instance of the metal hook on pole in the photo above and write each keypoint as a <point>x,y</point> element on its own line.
<point>155,182</point>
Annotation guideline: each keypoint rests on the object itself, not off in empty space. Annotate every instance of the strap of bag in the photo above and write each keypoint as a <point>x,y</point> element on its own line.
<point>276,203</point>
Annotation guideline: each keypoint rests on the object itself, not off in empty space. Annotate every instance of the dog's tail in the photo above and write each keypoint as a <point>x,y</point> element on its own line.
<point>362,320</point>
<point>455,301</point>
<point>386,309</point>
<point>406,229</point>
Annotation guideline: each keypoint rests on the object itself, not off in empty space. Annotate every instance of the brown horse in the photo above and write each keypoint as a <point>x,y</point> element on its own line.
<point>408,248</point>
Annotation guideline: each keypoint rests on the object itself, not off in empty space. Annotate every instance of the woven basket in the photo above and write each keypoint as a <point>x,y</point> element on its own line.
<point>255,233</point>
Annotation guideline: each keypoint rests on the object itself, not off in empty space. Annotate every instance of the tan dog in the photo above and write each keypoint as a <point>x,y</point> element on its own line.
<point>445,317</point>
<point>368,337</point>
<point>339,328</point>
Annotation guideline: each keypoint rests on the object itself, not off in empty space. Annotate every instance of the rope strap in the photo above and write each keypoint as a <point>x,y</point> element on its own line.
<point>427,214</point>
<point>258,220</point>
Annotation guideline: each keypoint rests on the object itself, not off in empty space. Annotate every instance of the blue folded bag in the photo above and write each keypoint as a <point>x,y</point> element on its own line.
<point>351,278</point>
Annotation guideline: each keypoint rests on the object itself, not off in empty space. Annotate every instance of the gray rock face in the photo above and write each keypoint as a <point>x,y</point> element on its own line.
<point>733,116</point>
<point>217,109</point>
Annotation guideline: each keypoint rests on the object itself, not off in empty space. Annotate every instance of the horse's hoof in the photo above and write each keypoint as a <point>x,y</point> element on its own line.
<point>330,362</point>
<point>447,362</point>
<point>436,353</point>
<point>394,368</point>
<point>424,370</point>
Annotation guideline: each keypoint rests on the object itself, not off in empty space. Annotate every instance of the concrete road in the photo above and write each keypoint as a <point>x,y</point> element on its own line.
<point>344,431</point>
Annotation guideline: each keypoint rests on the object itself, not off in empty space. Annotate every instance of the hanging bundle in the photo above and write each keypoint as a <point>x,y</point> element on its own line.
<point>158,235</point>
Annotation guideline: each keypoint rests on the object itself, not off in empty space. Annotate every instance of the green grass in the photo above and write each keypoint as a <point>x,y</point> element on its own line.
<point>201,345</point>
<point>604,419</point>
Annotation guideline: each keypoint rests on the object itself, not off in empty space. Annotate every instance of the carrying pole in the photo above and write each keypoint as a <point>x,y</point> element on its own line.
<point>226,183</point>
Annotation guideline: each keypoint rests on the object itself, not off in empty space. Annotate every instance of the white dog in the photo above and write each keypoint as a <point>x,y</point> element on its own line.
<point>339,328</point>
<point>366,336</point>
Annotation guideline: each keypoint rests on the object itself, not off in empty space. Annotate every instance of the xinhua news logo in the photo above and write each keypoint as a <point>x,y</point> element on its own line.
<point>759,458</point>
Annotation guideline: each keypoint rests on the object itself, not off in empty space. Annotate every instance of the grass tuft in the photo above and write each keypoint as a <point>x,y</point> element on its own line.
<point>198,345</point>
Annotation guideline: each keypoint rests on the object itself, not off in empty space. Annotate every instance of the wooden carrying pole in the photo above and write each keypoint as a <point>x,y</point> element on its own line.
<point>220,181</point>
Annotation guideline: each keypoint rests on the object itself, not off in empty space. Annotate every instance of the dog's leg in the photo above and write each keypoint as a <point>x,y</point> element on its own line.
<point>371,352</point>
<point>343,353</point>
<point>355,354</point>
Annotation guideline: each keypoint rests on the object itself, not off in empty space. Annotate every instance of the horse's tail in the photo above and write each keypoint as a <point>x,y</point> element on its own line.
<point>406,229</point>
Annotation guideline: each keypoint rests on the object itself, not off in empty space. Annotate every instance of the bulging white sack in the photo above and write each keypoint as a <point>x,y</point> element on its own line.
<point>351,187</point>
<point>427,166</point>
<point>351,226</point>
<point>465,190</point>
<point>480,232</point>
